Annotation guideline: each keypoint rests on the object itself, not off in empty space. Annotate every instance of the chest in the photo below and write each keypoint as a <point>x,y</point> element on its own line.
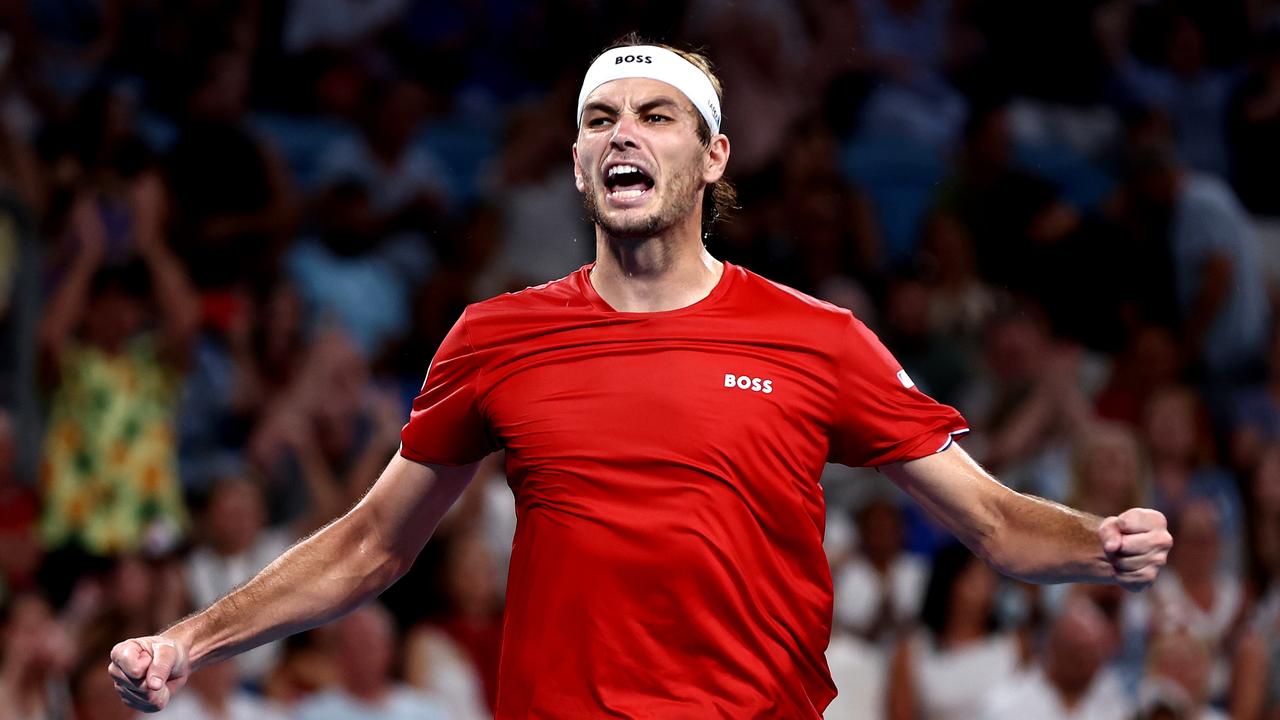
<point>635,397</point>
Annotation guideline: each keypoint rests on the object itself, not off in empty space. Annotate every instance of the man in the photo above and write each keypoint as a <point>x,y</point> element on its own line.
<point>1071,679</point>
<point>665,417</point>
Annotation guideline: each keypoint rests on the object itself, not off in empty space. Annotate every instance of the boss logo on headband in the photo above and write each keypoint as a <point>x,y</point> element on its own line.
<point>647,59</point>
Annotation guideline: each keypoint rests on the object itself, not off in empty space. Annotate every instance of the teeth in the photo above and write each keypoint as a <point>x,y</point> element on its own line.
<point>622,168</point>
<point>626,193</point>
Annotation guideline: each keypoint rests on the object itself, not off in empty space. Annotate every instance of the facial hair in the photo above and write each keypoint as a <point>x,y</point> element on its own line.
<point>678,202</point>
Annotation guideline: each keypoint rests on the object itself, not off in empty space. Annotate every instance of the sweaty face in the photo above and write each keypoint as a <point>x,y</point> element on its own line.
<point>638,161</point>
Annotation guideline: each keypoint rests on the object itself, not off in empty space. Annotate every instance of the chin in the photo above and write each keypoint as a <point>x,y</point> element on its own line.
<point>631,228</point>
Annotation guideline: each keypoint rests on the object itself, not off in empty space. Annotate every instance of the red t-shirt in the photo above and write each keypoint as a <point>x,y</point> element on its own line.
<point>668,558</point>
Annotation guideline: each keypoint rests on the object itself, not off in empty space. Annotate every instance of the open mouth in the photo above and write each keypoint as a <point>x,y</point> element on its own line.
<point>625,182</point>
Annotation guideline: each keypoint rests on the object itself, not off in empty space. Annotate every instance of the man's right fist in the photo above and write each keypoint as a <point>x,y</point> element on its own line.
<point>148,670</point>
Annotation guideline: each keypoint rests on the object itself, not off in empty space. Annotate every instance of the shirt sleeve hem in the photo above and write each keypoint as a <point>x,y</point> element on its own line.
<point>421,459</point>
<point>924,445</point>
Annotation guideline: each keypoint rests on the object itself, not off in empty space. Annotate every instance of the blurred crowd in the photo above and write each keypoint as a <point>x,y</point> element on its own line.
<point>233,232</point>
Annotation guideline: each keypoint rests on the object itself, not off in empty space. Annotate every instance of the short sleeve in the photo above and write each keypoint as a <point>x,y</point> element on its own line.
<point>880,416</point>
<point>446,426</point>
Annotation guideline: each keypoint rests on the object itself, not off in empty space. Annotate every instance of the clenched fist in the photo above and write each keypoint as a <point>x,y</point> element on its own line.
<point>148,671</point>
<point>1136,543</point>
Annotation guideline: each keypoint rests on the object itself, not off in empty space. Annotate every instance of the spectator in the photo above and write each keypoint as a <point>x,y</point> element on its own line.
<point>1016,219</point>
<point>94,696</point>
<point>109,471</point>
<point>1263,527</point>
<point>961,302</point>
<point>1108,473</point>
<point>1196,595</point>
<point>1183,86</point>
<point>879,592</point>
<point>1254,415</point>
<point>353,276</point>
<point>20,550</point>
<point>407,185</point>
<point>933,362</point>
<point>946,669</point>
<point>456,656</point>
<point>212,695</point>
<point>1255,681</point>
<point>1151,362</point>
<point>365,648</point>
<point>233,206</point>
<point>908,44</point>
<point>1182,469</point>
<point>1031,403</point>
<point>1217,267</point>
<point>307,665</point>
<point>133,593</point>
<point>37,655</point>
<point>1177,682</point>
<point>1070,680</point>
<point>534,191</point>
<point>235,545</point>
<point>1256,130</point>
<point>331,24</point>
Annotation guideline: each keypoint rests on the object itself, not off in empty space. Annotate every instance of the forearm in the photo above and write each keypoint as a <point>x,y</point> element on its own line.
<point>63,312</point>
<point>321,578</point>
<point>1040,541</point>
<point>175,297</point>
<point>1022,536</point>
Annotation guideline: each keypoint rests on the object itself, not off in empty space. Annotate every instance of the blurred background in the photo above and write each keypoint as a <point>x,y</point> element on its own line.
<point>233,232</point>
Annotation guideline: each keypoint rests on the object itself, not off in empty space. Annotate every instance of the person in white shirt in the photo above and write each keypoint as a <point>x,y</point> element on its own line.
<point>945,670</point>
<point>1071,681</point>
<point>366,650</point>
<point>881,588</point>
<point>215,696</point>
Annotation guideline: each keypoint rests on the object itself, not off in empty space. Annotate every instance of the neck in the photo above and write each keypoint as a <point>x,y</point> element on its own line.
<point>664,272</point>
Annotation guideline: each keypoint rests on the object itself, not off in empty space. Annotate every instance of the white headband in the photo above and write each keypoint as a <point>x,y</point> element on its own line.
<point>655,63</point>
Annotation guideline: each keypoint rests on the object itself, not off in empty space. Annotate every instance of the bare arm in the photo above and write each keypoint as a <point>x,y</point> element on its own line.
<point>1029,538</point>
<point>174,296</point>
<point>66,306</point>
<point>325,576</point>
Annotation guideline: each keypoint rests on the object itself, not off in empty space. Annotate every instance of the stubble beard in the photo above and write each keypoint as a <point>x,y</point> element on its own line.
<point>679,200</point>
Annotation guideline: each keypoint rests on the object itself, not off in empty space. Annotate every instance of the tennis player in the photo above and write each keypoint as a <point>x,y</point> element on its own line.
<point>665,418</point>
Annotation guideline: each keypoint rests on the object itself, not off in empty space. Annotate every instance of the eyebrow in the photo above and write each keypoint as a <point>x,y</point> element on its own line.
<point>653,104</point>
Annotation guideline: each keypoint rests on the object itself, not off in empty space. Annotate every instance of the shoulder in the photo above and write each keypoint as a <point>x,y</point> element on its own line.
<point>532,309</point>
<point>770,296</point>
<point>1205,193</point>
<point>555,294</point>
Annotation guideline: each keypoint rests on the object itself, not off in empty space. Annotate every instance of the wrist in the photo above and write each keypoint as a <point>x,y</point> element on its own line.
<point>183,636</point>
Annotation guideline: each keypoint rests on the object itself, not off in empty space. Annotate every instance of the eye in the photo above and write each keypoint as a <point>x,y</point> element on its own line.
<point>656,118</point>
<point>600,121</point>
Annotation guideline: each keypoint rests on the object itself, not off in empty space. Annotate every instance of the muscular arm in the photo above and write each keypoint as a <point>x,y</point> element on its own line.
<point>334,571</point>
<point>1029,538</point>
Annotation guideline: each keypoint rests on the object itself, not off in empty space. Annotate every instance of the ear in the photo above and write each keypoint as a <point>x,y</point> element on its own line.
<point>716,159</point>
<point>577,171</point>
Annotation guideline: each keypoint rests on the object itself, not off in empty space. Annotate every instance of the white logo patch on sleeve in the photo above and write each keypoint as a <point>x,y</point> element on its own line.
<point>905,379</point>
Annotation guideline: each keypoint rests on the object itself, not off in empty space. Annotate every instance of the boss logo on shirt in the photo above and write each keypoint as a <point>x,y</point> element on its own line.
<point>746,382</point>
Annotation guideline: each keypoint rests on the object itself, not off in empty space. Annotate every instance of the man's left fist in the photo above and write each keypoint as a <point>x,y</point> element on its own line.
<point>1136,543</point>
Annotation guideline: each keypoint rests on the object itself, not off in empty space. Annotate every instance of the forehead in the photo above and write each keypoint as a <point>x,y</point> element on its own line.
<point>632,92</point>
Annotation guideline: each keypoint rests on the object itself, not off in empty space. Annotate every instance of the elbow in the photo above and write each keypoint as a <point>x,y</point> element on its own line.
<point>380,563</point>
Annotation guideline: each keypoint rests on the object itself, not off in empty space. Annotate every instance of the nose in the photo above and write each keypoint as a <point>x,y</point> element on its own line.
<point>624,131</point>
